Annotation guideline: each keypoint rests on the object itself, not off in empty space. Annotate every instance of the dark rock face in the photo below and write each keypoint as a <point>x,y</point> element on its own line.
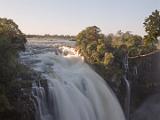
<point>21,104</point>
<point>144,76</point>
<point>22,101</point>
<point>149,110</point>
<point>19,94</point>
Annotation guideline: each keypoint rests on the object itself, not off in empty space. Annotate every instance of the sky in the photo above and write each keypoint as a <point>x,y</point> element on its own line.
<point>72,16</point>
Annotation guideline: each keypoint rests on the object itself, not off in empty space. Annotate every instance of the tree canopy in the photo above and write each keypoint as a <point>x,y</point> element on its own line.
<point>90,43</point>
<point>11,40</point>
<point>152,27</point>
<point>109,51</point>
<point>9,30</point>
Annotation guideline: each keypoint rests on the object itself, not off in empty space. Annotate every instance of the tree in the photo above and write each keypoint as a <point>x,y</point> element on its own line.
<point>91,44</point>
<point>152,27</point>
<point>11,40</point>
<point>9,29</point>
<point>108,43</point>
<point>90,34</point>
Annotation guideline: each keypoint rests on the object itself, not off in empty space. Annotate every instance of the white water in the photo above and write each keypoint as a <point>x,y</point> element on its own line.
<point>128,88</point>
<point>75,91</point>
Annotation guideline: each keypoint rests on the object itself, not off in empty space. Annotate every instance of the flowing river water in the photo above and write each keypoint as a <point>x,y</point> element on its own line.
<point>74,90</point>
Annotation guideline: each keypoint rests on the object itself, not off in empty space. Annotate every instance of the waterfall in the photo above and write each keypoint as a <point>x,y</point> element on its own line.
<point>128,89</point>
<point>74,90</point>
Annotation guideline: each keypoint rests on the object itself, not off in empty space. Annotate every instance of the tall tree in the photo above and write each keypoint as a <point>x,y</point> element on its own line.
<point>90,43</point>
<point>152,27</point>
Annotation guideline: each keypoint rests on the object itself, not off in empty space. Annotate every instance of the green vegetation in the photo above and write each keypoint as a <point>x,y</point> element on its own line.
<point>91,44</point>
<point>107,52</point>
<point>152,27</point>
<point>11,41</point>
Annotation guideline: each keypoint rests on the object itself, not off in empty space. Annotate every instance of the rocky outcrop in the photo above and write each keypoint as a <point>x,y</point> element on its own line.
<point>144,76</point>
<point>20,97</point>
<point>149,110</point>
<point>21,101</point>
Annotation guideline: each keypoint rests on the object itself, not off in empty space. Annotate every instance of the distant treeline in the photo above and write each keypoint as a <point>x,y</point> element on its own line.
<point>71,37</point>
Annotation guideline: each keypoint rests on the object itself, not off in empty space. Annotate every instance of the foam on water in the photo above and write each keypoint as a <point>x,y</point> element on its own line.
<point>75,91</point>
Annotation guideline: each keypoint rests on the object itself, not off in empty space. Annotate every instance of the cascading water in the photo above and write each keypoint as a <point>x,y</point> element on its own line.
<point>128,89</point>
<point>74,90</point>
<point>42,112</point>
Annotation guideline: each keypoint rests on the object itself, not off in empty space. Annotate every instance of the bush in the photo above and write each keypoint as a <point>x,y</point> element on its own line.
<point>11,41</point>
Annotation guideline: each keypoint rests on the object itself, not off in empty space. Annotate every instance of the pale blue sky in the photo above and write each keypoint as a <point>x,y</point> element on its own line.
<point>71,16</point>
